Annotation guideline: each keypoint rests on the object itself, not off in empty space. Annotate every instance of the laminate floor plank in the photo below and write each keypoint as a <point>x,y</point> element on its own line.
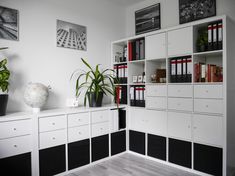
<point>130,165</point>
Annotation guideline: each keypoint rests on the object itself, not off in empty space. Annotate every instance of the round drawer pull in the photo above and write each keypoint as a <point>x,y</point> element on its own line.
<point>15,146</point>
<point>178,104</point>
<point>53,138</point>
<point>14,129</point>
<point>189,126</point>
<point>79,120</point>
<point>101,117</point>
<point>53,123</point>
<point>101,128</point>
<point>207,106</point>
<point>194,128</point>
<point>207,91</point>
<point>80,133</point>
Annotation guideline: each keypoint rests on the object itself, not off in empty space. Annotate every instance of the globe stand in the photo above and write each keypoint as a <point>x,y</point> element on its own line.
<point>36,110</point>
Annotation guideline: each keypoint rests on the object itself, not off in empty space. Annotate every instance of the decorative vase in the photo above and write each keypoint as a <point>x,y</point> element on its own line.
<point>3,104</point>
<point>94,101</point>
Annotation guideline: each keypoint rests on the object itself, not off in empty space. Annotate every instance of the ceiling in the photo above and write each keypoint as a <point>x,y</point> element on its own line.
<point>125,2</point>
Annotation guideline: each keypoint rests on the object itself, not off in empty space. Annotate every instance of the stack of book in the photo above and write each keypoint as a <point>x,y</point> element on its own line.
<point>121,95</point>
<point>181,69</point>
<point>136,49</point>
<point>208,73</point>
<point>137,96</point>
<point>121,73</point>
<point>215,34</point>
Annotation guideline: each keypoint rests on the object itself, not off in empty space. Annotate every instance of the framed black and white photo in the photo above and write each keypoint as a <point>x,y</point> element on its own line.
<point>9,29</point>
<point>148,19</point>
<point>71,35</point>
<point>191,10</point>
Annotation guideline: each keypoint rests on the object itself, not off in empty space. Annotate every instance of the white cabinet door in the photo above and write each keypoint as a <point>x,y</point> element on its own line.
<point>180,104</point>
<point>208,106</point>
<point>156,90</point>
<point>180,91</point>
<point>208,129</point>
<point>180,41</point>
<point>156,46</point>
<point>179,125</point>
<point>159,103</point>
<point>208,91</point>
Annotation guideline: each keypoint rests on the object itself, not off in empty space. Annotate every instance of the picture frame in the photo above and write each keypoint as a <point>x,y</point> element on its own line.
<point>192,10</point>
<point>148,19</point>
<point>9,23</point>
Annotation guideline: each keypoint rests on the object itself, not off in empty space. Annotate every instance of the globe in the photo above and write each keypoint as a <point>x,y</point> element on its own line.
<point>36,95</point>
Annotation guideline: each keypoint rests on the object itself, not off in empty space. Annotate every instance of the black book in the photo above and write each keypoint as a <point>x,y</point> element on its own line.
<point>133,50</point>
<point>137,49</point>
<point>142,49</point>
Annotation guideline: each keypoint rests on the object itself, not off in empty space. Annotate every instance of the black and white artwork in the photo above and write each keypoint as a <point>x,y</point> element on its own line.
<point>8,23</point>
<point>148,19</point>
<point>191,10</point>
<point>71,35</point>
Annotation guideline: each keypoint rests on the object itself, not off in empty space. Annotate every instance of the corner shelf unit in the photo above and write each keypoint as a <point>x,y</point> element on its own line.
<point>191,112</point>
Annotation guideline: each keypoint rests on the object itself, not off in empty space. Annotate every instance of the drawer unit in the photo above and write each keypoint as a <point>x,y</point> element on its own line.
<point>100,116</point>
<point>208,91</point>
<point>52,123</point>
<point>78,119</point>
<point>15,146</point>
<point>153,90</point>
<point>99,129</point>
<point>208,129</point>
<point>156,103</point>
<point>179,125</point>
<point>15,128</point>
<point>52,138</point>
<point>208,106</point>
<point>180,91</point>
<point>181,104</point>
<point>78,133</point>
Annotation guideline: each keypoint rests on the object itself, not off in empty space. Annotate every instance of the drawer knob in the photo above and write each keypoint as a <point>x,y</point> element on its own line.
<point>53,123</point>
<point>53,138</point>
<point>207,106</point>
<point>101,117</point>
<point>101,128</point>
<point>194,128</point>
<point>178,104</point>
<point>14,129</point>
<point>79,133</point>
<point>189,126</point>
<point>79,120</point>
<point>15,146</point>
<point>178,90</point>
<point>207,91</point>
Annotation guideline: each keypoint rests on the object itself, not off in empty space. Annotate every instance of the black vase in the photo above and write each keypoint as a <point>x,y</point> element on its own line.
<point>3,104</point>
<point>95,101</point>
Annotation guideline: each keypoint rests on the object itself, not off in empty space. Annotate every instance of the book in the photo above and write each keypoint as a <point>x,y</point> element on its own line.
<point>179,70</point>
<point>142,49</point>
<point>189,68</point>
<point>220,35</point>
<point>210,34</point>
<point>133,50</point>
<point>137,43</point>
<point>173,70</point>
<point>130,51</point>
<point>215,36</point>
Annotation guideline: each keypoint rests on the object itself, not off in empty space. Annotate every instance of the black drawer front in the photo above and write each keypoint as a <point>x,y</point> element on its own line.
<point>180,152</point>
<point>16,165</point>
<point>208,159</point>
<point>157,147</point>
<point>137,142</point>
<point>118,142</point>
<point>78,154</point>
<point>100,147</point>
<point>52,160</point>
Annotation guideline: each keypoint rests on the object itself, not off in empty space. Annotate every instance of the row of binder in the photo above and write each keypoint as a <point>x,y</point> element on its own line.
<point>121,73</point>
<point>215,36</point>
<point>181,69</point>
<point>136,49</point>
<point>121,95</point>
<point>137,96</point>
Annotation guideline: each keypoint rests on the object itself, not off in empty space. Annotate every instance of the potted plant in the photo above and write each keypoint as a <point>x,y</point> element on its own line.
<point>95,83</point>
<point>202,40</point>
<point>4,84</point>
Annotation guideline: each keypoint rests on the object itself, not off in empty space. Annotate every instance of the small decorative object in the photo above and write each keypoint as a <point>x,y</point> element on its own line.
<point>148,19</point>
<point>202,40</point>
<point>160,75</point>
<point>4,84</point>
<point>140,79</point>
<point>191,10</point>
<point>118,57</point>
<point>71,35</point>
<point>8,23</point>
<point>72,102</point>
<point>135,79</point>
<point>95,84</point>
<point>36,95</point>
<point>153,78</point>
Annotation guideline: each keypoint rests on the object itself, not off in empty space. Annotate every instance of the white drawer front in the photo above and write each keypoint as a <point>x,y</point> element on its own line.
<point>208,91</point>
<point>208,129</point>
<point>208,106</point>
<point>99,129</point>
<point>181,104</point>
<point>137,121</point>
<point>15,128</point>
<point>180,91</point>
<point>179,125</point>
<point>100,116</point>
<point>156,103</point>
<point>52,123</point>
<point>78,119</point>
<point>78,133</point>
<point>52,138</point>
<point>15,146</point>
<point>159,90</point>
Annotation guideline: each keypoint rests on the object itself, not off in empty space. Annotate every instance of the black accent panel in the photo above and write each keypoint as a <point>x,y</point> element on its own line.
<point>52,160</point>
<point>208,159</point>
<point>157,147</point>
<point>122,118</point>
<point>118,142</point>
<point>100,147</point>
<point>137,142</point>
<point>78,154</point>
<point>16,165</point>
<point>180,152</point>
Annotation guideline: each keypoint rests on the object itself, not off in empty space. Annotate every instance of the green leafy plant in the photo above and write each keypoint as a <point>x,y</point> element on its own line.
<point>94,81</point>
<point>4,74</point>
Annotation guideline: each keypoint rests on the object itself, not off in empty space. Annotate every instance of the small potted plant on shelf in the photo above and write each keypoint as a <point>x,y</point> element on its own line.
<point>4,84</point>
<point>202,40</point>
<point>95,83</point>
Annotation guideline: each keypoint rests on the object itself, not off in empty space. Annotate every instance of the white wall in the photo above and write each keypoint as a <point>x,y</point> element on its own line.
<point>35,57</point>
<point>170,12</point>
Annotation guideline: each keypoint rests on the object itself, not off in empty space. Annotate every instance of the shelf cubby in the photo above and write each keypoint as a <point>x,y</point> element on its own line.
<point>135,69</point>
<point>119,52</point>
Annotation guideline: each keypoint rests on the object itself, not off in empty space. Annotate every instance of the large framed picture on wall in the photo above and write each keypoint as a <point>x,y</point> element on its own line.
<point>148,19</point>
<point>192,10</point>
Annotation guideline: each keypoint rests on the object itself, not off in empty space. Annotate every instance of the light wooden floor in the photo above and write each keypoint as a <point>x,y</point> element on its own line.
<point>130,165</point>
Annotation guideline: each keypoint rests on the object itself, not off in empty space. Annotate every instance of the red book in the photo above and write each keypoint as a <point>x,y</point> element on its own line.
<point>208,72</point>
<point>196,71</point>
